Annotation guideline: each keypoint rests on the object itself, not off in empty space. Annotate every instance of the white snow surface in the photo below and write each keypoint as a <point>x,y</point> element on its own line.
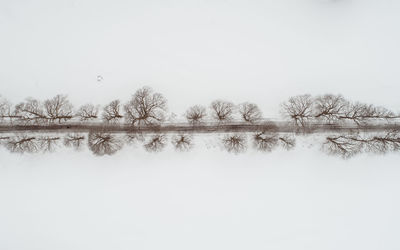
<point>202,199</point>
<point>194,52</point>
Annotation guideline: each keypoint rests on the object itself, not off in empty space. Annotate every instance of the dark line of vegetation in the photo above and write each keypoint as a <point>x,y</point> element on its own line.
<point>102,143</point>
<point>147,110</point>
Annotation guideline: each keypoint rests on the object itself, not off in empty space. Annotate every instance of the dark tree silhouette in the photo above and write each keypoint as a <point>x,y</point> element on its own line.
<point>390,141</point>
<point>32,144</point>
<point>111,112</point>
<point>330,108</point>
<point>250,112</point>
<point>182,142</point>
<point>196,114</point>
<point>333,108</point>
<point>101,143</point>
<point>265,141</point>
<point>350,145</point>
<point>287,142</point>
<point>360,113</point>
<point>6,110</point>
<point>74,140</point>
<point>87,112</point>
<point>235,143</point>
<point>222,111</point>
<point>34,112</point>
<point>31,112</point>
<point>299,109</point>
<point>58,109</point>
<point>48,143</point>
<point>156,143</point>
<point>145,108</point>
<point>22,144</point>
<point>342,145</point>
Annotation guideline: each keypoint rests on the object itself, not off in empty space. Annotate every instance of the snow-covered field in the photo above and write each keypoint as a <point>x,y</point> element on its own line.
<point>202,199</point>
<point>194,52</point>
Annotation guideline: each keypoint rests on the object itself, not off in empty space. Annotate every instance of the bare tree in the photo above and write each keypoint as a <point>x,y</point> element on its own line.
<point>7,111</point>
<point>350,145</point>
<point>156,143</point>
<point>360,113</point>
<point>48,143</point>
<point>287,142</point>
<point>32,144</point>
<point>195,114</point>
<point>333,108</point>
<point>101,143</point>
<point>31,112</point>
<point>382,143</point>
<point>330,108</point>
<point>343,145</point>
<point>87,112</point>
<point>222,111</point>
<point>299,109</point>
<point>268,141</point>
<point>235,143</point>
<point>34,112</point>
<point>5,107</point>
<point>182,142</point>
<point>265,141</point>
<point>58,108</point>
<point>145,108</point>
<point>22,144</point>
<point>74,140</point>
<point>111,112</point>
<point>250,112</point>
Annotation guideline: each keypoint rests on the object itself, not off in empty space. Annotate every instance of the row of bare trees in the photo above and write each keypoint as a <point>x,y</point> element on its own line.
<point>262,141</point>
<point>32,111</point>
<point>30,143</point>
<point>144,109</point>
<point>147,108</point>
<point>352,144</point>
<point>224,112</point>
<point>104,143</point>
<point>332,109</point>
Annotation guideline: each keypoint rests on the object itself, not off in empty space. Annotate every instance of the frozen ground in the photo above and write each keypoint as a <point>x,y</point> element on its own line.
<point>194,52</point>
<point>203,199</point>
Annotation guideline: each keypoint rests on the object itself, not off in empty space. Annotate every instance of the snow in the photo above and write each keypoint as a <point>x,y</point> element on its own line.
<point>202,199</point>
<point>194,52</point>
